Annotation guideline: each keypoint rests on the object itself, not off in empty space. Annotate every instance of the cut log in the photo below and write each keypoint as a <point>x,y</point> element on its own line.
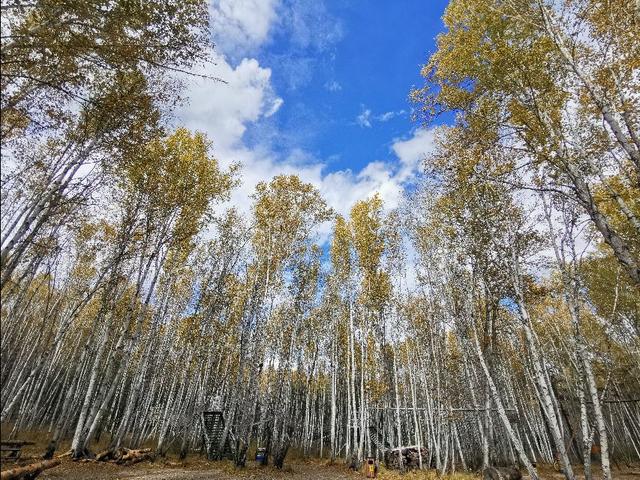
<point>104,456</point>
<point>29,471</point>
<point>138,458</point>
<point>135,456</point>
<point>111,455</point>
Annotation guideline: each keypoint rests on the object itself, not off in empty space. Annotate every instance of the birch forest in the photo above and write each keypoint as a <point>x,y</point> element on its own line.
<point>491,320</point>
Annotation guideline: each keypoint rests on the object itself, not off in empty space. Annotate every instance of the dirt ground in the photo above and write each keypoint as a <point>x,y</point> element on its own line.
<point>197,468</point>
<point>194,470</point>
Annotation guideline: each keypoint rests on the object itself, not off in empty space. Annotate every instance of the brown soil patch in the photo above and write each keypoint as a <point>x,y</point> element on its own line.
<point>196,469</point>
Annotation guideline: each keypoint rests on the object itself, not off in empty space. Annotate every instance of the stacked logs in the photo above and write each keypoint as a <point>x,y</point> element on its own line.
<point>125,456</point>
<point>410,457</point>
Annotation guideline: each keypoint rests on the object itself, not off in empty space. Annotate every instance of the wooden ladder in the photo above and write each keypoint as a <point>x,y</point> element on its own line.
<point>376,439</point>
<point>213,429</point>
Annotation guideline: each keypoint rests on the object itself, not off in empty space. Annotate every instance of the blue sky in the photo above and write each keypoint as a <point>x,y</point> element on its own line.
<point>319,89</point>
<point>371,66</point>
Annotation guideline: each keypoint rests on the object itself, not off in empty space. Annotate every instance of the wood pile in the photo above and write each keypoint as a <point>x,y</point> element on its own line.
<point>409,455</point>
<point>29,471</point>
<point>125,456</point>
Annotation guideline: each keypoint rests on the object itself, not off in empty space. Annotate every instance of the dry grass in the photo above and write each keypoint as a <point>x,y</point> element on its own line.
<point>385,474</point>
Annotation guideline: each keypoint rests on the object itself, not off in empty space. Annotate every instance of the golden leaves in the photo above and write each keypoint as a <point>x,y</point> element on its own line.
<point>59,54</point>
<point>179,181</point>
<point>361,242</point>
<point>341,243</point>
<point>286,210</point>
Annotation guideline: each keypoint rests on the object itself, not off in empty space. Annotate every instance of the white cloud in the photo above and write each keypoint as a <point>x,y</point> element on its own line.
<point>240,26</point>
<point>310,25</point>
<point>275,106</point>
<point>412,152</point>
<point>385,117</point>
<point>344,188</point>
<point>296,71</point>
<point>333,86</point>
<point>307,33</point>
<point>223,111</point>
<point>366,118</point>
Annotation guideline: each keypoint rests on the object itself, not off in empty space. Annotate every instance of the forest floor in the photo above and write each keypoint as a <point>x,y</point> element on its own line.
<point>194,470</point>
<point>196,467</point>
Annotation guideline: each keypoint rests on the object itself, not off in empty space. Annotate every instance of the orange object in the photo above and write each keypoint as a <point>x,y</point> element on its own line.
<point>371,468</point>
